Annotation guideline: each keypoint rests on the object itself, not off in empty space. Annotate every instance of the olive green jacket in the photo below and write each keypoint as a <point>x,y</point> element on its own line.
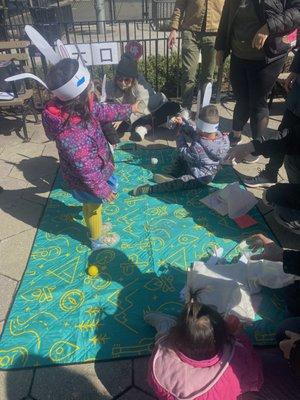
<point>192,15</point>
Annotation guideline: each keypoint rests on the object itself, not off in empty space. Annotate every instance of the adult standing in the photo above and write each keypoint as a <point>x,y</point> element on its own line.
<point>255,32</point>
<point>198,20</point>
<point>291,118</point>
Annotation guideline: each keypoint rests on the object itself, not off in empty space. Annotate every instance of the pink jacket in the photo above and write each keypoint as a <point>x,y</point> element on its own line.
<point>173,376</point>
<point>85,157</point>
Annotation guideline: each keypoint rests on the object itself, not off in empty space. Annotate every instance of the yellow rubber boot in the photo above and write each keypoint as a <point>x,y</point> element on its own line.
<point>93,219</point>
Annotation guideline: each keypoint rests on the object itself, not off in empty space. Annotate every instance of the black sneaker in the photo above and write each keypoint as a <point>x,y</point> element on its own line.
<point>234,140</point>
<point>261,180</point>
<point>140,190</point>
<point>288,219</point>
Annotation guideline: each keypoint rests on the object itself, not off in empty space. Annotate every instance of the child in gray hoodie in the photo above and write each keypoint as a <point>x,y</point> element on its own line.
<point>197,163</point>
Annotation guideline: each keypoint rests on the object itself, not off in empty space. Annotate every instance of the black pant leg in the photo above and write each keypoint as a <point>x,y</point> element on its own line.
<point>239,83</point>
<point>185,182</point>
<point>289,120</point>
<point>261,77</point>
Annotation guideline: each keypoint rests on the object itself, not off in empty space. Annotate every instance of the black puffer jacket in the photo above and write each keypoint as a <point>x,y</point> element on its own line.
<point>281,16</point>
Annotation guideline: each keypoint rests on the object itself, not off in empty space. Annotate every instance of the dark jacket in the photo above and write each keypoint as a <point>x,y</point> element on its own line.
<point>291,262</point>
<point>281,16</point>
<point>286,142</point>
<point>293,99</point>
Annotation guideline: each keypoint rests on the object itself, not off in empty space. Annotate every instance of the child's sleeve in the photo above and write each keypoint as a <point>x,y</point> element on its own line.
<point>87,167</point>
<point>188,153</point>
<point>220,150</point>
<point>106,113</point>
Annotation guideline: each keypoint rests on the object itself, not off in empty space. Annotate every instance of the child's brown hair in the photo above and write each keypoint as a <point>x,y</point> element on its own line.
<point>200,332</point>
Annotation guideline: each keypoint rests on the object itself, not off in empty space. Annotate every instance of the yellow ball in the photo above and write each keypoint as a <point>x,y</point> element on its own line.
<point>93,270</point>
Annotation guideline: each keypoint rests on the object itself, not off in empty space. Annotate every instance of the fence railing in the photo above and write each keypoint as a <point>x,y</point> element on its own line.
<point>160,65</point>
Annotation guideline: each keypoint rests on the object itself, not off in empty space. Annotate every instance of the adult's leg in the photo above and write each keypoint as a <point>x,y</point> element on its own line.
<point>239,83</point>
<point>208,64</point>
<point>168,109</point>
<point>112,134</point>
<point>275,163</point>
<point>190,61</point>
<point>261,79</point>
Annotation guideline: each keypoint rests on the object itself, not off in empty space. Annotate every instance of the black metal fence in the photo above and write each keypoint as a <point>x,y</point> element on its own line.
<point>160,65</point>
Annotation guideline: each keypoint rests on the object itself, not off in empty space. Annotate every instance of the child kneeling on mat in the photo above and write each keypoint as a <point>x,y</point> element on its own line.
<point>201,356</point>
<point>197,163</point>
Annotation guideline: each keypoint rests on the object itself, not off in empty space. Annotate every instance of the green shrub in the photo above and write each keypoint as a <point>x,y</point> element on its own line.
<point>163,74</point>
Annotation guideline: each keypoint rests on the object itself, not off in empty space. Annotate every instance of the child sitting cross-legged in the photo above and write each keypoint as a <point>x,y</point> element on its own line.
<point>197,163</point>
<point>201,356</point>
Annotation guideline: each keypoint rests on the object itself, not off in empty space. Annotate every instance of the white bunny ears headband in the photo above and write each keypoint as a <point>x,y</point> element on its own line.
<point>75,86</point>
<point>200,124</point>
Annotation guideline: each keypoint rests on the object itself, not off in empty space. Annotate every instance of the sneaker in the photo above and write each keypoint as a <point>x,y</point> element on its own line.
<point>233,139</point>
<point>250,159</point>
<point>162,178</point>
<point>139,133</point>
<point>105,241</point>
<point>260,180</point>
<point>140,190</point>
<point>106,227</point>
<point>285,218</point>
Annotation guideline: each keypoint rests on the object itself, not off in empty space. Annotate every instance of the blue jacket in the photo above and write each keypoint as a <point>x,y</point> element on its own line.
<point>203,156</point>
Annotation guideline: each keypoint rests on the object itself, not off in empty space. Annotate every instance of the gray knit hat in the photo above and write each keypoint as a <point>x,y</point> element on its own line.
<point>127,66</point>
<point>208,119</point>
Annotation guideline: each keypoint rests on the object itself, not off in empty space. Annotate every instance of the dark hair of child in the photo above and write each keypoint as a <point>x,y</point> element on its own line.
<point>58,75</point>
<point>200,332</point>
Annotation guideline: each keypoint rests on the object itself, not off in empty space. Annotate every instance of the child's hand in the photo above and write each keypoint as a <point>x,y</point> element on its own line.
<point>111,197</point>
<point>116,124</point>
<point>177,120</point>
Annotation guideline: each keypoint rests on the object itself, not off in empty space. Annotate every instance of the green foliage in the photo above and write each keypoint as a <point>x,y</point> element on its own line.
<point>164,74</point>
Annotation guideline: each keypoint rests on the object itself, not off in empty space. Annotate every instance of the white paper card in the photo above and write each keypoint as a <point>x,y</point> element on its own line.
<point>215,202</point>
<point>105,53</point>
<point>85,51</point>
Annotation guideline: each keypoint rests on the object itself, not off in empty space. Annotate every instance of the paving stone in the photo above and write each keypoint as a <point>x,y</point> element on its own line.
<point>135,394</point>
<point>50,150</point>
<point>13,190</point>
<point>19,217</point>
<point>19,152</point>
<point>98,381</point>
<point>140,368</point>
<point>15,385</point>
<point>34,168</point>
<point>5,168</point>
<point>286,238</point>
<point>39,135</point>
<point>7,290</point>
<point>13,263</point>
<point>38,190</point>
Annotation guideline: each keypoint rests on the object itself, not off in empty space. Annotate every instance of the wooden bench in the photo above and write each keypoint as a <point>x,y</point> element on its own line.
<point>16,51</point>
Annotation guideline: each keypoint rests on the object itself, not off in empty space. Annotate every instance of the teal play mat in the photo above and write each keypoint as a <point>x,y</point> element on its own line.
<point>61,316</point>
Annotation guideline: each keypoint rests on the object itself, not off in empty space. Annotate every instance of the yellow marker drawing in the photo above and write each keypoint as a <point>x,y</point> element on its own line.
<point>71,300</point>
<point>62,350</point>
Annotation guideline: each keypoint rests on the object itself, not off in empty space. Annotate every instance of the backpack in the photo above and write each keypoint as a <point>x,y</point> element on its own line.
<point>9,68</point>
